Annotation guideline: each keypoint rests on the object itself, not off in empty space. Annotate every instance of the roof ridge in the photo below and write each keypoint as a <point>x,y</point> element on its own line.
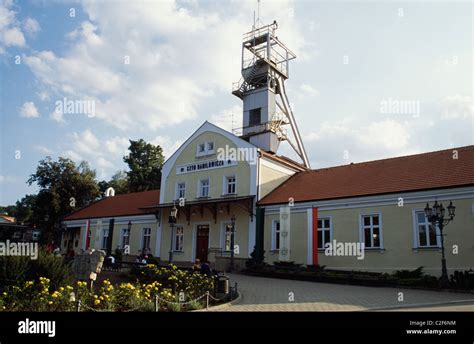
<point>391,158</point>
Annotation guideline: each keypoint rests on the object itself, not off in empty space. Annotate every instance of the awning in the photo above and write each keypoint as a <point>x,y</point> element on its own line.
<point>214,205</point>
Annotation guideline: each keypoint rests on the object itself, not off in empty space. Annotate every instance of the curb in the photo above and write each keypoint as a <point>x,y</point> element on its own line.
<point>421,305</point>
<point>225,305</point>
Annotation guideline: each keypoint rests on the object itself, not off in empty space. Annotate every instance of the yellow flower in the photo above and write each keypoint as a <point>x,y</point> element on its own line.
<point>50,302</point>
<point>96,302</point>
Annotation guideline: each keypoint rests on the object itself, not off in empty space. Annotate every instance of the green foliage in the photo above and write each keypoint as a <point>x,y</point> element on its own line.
<point>145,161</point>
<point>191,284</point>
<point>119,182</point>
<point>24,212</point>
<point>64,187</point>
<point>17,270</point>
<point>407,274</point>
<point>41,295</point>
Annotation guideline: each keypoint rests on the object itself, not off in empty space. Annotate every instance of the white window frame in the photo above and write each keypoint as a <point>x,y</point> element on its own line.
<point>226,183</point>
<point>105,238</point>
<point>416,234</point>
<point>178,189</point>
<point>274,234</point>
<point>206,150</point>
<point>145,235</point>
<point>175,238</point>
<point>123,236</point>
<point>210,151</point>
<point>200,194</point>
<point>198,151</point>
<point>322,218</point>
<point>362,231</point>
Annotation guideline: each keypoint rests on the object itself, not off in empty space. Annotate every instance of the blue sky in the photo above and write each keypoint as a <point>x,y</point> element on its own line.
<point>183,57</point>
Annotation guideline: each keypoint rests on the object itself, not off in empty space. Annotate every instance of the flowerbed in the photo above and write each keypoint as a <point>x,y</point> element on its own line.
<point>165,289</point>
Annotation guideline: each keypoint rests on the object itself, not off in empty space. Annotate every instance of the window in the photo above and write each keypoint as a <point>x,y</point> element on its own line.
<point>205,148</point>
<point>178,239</point>
<point>146,239</point>
<point>125,237</point>
<point>204,188</point>
<point>210,146</point>
<point>426,232</point>
<point>371,233</point>
<point>105,238</point>
<point>254,117</point>
<point>324,232</point>
<point>181,190</point>
<point>276,235</point>
<point>227,237</point>
<point>230,185</point>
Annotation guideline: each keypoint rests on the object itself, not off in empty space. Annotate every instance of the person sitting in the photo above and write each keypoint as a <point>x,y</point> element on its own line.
<point>206,269</point>
<point>197,266</point>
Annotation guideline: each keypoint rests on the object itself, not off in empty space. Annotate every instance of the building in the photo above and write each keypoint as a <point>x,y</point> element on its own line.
<point>381,204</point>
<point>113,222</point>
<point>228,196</point>
<point>10,230</point>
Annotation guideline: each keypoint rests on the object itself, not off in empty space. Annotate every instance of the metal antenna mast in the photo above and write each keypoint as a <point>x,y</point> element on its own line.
<point>267,110</point>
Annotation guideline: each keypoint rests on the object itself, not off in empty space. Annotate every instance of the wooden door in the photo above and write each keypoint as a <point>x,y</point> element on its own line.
<point>202,242</point>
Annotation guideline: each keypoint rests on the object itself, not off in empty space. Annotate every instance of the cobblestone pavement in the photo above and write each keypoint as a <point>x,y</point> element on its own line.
<point>269,294</point>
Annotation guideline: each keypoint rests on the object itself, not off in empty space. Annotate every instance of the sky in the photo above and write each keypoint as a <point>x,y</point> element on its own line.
<point>372,79</point>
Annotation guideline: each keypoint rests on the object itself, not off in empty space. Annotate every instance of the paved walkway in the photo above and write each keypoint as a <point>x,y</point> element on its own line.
<point>269,294</point>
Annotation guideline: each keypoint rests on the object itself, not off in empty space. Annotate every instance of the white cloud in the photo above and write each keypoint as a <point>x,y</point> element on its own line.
<point>360,141</point>
<point>13,37</point>
<point>457,107</point>
<point>177,59</point>
<point>228,119</point>
<point>104,154</point>
<point>7,179</point>
<point>308,90</point>
<point>29,110</point>
<point>10,30</point>
<point>43,150</point>
<point>57,116</point>
<point>31,26</point>
<point>168,145</point>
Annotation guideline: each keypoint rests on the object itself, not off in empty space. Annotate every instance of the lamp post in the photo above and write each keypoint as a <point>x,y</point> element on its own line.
<point>437,217</point>
<point>232,244</point>
<point>172,221</point>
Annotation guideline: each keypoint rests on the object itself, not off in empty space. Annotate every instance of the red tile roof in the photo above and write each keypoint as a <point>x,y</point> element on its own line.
<point>407,173</point>
<point>120,205</point>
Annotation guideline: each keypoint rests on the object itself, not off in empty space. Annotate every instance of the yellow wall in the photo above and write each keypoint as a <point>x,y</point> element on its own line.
<point>188,155</point>
<point>270,179</point>
<point>397,230</point>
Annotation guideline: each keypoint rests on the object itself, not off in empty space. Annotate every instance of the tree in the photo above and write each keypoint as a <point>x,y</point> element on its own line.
<point>119,182</point>
<point>145,161</point>
<point>24,213</point>
<point>64,187</point>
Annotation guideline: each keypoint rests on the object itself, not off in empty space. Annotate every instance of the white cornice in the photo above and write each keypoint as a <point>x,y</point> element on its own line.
<point>381,200</point>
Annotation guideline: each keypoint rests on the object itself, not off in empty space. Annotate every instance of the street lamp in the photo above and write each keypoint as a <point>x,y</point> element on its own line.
<point>172,221</point>
<point>232,244</point>
<point>436,216</point>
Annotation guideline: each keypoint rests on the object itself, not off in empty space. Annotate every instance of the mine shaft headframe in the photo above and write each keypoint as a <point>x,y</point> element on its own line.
<point>261,44</point>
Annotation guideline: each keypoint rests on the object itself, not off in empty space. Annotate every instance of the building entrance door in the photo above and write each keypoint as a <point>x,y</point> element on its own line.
<point>202,242</point>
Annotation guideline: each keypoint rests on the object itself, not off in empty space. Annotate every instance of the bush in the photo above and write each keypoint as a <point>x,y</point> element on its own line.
<point>192,284</point>
<point>17,270</point>
<point>407,274</point>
